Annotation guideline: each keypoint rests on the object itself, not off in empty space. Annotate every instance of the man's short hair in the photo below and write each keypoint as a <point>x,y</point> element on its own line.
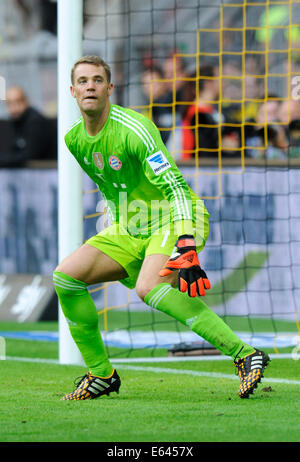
<point>92,59</point>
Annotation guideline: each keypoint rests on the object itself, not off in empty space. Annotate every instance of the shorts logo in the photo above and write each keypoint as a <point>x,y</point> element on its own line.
<point>115,162</point>
<point>158,162</point>
<point>98,160</point>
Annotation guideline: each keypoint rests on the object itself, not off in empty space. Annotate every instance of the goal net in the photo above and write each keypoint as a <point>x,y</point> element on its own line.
<point>221,82</point>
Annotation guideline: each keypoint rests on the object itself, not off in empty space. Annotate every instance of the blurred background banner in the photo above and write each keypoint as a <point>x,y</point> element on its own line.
<point>27,298</point>
<point>28,221</point>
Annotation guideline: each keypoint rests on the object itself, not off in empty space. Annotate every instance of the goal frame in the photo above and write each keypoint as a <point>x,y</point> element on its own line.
<point>70,223</point>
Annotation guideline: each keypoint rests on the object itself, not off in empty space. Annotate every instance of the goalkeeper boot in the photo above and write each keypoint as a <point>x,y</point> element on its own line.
<point>91,387</point>
<point>250,370</point>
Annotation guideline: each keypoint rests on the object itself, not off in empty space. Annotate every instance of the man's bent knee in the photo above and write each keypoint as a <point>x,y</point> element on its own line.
<point>142,289</point>
<point>63,269</point>
<point>60,269</point>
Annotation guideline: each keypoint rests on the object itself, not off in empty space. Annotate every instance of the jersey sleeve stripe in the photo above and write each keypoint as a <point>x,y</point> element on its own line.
<point>136,123</point>
<point>187,210</point>
<point>139,134</point>
<point>179,196</point>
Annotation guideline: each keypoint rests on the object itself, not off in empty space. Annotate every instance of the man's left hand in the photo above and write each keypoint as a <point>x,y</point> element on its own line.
<point>191,277</point>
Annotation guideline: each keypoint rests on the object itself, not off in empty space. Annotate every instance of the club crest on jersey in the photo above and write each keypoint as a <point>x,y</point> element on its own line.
<point>98,160</point>
<point>158,162</point>
<point>115,162</point>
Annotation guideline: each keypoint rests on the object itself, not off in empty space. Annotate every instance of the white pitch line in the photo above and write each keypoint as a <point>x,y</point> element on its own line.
<point>30,360</point>
<point>220,375</point>
<point>164,359</point>
<point>176,359</point>
<point>163,370</point>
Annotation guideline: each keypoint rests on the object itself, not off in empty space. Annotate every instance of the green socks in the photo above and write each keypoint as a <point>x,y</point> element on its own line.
<point>193,312</point>
<point>81,314</point>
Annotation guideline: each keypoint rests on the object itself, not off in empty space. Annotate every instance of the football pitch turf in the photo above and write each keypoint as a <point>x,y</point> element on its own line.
<point>182,401</point>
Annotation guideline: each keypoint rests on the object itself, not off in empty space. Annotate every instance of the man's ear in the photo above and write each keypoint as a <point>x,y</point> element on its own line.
<point>110,88</point>
<point>72,91</point>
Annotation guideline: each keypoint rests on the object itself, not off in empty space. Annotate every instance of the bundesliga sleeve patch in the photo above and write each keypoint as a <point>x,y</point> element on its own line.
<point>158,162</point>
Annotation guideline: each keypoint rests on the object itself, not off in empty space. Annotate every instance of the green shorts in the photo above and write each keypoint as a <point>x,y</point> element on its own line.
<point>130,251</point>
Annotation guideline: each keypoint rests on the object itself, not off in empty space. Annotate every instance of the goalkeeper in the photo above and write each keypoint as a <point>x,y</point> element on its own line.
<point>158,228</point>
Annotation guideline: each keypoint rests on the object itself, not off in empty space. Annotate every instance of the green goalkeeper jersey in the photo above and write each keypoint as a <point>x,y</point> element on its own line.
<point>140,182</point>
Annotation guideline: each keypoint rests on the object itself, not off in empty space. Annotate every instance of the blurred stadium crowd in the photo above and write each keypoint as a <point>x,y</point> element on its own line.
<point>266,126</point>
<point>199,111</point>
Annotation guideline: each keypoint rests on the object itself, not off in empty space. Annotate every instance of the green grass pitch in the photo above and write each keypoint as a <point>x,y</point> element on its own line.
<point>192,401</point>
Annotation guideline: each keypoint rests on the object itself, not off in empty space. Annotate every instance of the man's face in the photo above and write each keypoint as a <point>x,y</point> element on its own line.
<point>91,88</point>
<point>16,102</point>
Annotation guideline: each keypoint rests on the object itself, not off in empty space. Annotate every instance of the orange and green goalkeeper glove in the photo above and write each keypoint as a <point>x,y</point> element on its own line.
<point>191,277</point>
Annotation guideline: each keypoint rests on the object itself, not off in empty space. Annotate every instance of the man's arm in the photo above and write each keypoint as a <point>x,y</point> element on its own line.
<point>161,171</point>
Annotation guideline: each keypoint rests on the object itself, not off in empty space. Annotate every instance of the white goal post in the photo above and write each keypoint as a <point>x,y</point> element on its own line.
<point>70,223</point>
